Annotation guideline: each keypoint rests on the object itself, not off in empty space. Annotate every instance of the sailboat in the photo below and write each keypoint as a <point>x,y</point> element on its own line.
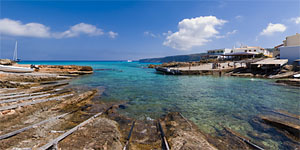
<point>15,57</point>
<point>15,69</point>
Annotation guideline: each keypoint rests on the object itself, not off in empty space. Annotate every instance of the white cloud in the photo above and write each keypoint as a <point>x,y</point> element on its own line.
<point>220,36</point>
<point>167,33</point>
<point>81,28</point>
<point>232,32</point>
<point>272,28</point>
<point>227,34</point>
<point>238,17</point>
<point>296,20</point>
<point>16,28</point>
<point>222,4</point>
<point>148,33</point>
<point>194,32</point>
<point>112,34</point>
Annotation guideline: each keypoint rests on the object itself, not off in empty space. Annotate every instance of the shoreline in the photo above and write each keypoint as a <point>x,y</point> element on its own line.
<point>68,107</point>
<point>284,76</point>
<point>35,102</point>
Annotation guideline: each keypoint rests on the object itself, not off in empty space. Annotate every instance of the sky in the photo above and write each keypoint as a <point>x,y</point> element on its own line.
<point>123,30</point>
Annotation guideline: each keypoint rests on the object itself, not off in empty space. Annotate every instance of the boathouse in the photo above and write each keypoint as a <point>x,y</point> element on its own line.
<point>268,65</point>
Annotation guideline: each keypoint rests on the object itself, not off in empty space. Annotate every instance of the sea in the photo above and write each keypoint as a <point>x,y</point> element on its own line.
<point>210,102</point>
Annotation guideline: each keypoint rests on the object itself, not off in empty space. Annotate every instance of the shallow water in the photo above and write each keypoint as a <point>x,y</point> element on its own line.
<point>210,102</point>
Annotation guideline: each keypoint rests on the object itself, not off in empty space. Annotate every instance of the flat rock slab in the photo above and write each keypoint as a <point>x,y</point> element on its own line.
<point>181,134</point>
<point>292,126</point>
<point>292,82</point>
<point>103,133</point>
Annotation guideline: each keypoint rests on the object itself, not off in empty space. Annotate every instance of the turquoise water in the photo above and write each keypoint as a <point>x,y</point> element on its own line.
<point>210,102</point>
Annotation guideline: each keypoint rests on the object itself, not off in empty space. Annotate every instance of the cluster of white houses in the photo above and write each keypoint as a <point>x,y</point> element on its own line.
<point>243,51</point>
<point>290,49</point>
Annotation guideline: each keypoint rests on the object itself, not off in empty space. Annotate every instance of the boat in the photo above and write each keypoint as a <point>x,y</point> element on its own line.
<point>169,71</point>
<point>129,60</point>
<point>15,69</point>
<point>296,76</point>
<point>15,57</point>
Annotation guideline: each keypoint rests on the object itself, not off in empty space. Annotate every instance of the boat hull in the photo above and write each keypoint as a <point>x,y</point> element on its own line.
<point>167,71</point>
<point>15,69</point>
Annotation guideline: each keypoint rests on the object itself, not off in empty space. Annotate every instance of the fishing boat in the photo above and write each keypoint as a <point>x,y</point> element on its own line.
<point>15,69</point>
<point>15,57</point>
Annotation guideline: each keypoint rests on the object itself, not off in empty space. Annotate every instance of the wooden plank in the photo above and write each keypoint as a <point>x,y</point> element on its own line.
<point>21,95</point>
<point>186,120</point>
<point>33,102</point>
<point>23,98</point>
<point>61,137</point>
<point>129,135</point>
<point>9,94</point>
<point>163,137</point>
<point>244,139</point>
<point>10,134</point>
<point>3,90</point>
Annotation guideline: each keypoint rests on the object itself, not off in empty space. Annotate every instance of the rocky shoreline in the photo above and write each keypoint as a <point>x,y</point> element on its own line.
<point>38,107</point>
<point>41,110</point>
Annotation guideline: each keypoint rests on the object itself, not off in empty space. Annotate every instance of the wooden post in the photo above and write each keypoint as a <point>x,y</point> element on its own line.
<point>51,143</point>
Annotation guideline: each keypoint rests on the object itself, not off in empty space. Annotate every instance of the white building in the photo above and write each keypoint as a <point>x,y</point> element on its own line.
<point>218,51</point>
<point>291,48</point>
<point>251,50</point>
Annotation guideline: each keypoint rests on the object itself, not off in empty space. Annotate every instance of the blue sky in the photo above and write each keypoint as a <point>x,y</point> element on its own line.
<point>121,30</point>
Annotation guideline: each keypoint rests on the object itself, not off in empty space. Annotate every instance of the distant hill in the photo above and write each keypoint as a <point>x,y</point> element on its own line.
<point>177,58</point>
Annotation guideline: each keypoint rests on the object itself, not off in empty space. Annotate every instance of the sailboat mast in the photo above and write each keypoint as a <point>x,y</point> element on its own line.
<point>16,51</point>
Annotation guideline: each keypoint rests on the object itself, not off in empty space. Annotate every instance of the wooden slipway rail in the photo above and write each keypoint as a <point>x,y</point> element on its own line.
<point>186,120</point>
<point>165,144</point>
<point>23,98</point>
<point>12,94</point>
<point>61,137</point>
<point>129,135</point>
<point>10,134</point>
<point>33,102</point>
<point>21,95</point>
<point>244,140</point>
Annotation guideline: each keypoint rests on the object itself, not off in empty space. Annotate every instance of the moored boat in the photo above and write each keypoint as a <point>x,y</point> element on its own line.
<point>15,69</point>
<point>166,70</point>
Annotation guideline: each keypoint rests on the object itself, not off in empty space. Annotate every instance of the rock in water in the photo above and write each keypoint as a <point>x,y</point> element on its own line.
<point>282,123</point>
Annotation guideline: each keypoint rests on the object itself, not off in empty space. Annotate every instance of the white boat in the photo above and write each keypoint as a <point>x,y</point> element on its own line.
<point>15,69</point>
<point>297,76</point>
<point>129,60</point>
